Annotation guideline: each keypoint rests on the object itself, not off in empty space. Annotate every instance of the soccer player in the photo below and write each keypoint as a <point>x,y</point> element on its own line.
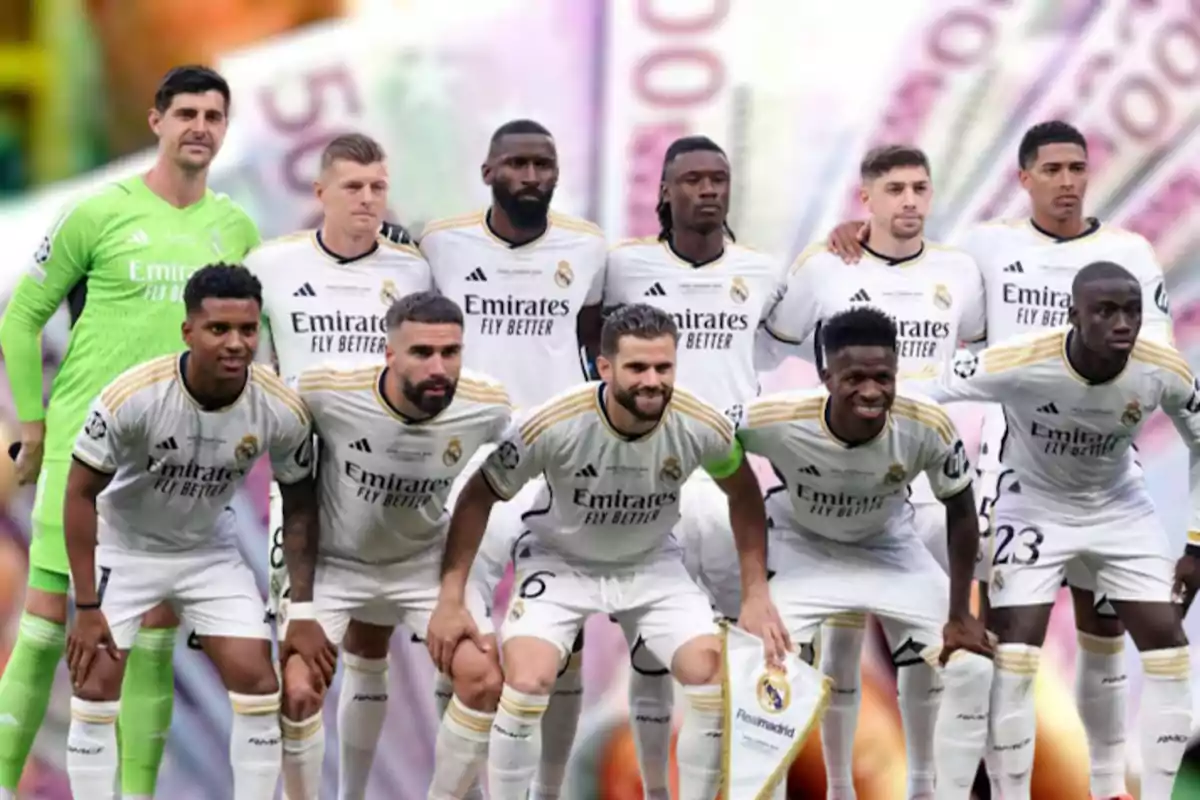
<point>615,455</point>
<point>1073,495</point>
<point>844,539</point>
<point>325,294</point>
<point>1027,267</point>
<point>121,255</point>
<point>935,295</point>
<point>717,292</point>
<point>529,281</point>
<point>393,437</point>
<point>164,448</point>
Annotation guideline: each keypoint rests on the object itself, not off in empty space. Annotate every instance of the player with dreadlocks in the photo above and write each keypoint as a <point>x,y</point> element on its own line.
<point>717,291</point>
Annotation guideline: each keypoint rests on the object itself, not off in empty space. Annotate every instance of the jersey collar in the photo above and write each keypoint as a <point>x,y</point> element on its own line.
<point>602,410</point>
<point>382,397</point>
<point>667,243</point>
<point>490,231</point>
<point>341,259</point>
<point>181,375</point>
<point>896,262</point>
<point>828,429</point>
<point>1093,225</point>
<point>1066,357</point>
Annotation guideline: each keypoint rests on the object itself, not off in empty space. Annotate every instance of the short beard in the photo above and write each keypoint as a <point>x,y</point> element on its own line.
<point>524,214</point>
<point>628,401</point>
<point>416,393</point>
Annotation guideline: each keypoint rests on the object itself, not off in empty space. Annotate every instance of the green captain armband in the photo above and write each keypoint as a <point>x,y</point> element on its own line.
<point>727,465</point>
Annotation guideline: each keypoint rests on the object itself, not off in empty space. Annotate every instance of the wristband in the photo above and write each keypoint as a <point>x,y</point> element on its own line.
<point>298,611</point>
<point>87,606</point>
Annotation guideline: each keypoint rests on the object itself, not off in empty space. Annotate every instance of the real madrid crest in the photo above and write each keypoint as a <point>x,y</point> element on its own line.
<point>246,451</point>
<point>941,297</point>
<point>563,275</point>
<point>773,692</point>
<point>671,470</point>
<point>739,292</point>
<point>895,474</point>
<point>389,293</point>
<point>1133,414</point>
<point>453,452</point>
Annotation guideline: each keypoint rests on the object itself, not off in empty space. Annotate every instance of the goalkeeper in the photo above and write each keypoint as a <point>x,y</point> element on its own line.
<point>122,257</point>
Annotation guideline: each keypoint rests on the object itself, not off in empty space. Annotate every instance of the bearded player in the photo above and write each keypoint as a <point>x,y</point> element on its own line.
<point>717,292</point>
<point>529,282</point>
<point>121,257</point>
<point>325,296</point>
<point>1028,266</point>
<point>1073,495</point>
<point>935,295</point>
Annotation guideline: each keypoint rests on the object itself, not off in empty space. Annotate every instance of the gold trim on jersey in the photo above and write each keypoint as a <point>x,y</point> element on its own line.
<point>565,408</point>
<point>482,392</point>
<point>1167,358</point>
<point>833,437</point>
<point>274,386</point>
<point>692,406</point>
<point>1004,357</point>
<point>577,224</point>
<point>286,238</point>
<point>331,379</point>
<point>770,412</point>
<point>927,414</point>
<point>642,240</point>
<point>449,223</point>
<point>805,254</point>
<point>155,371</point>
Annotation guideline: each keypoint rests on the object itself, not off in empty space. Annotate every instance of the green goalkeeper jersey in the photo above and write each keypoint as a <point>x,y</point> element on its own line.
<point>131,252</point>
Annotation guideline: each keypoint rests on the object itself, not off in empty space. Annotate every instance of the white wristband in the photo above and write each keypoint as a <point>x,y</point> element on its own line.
<point>300,611</point>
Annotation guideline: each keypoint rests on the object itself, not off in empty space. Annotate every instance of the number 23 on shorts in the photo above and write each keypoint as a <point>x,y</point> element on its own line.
<point>1020,546</point>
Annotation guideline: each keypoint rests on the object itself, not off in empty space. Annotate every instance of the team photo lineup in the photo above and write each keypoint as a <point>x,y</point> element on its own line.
<point>511,391</point>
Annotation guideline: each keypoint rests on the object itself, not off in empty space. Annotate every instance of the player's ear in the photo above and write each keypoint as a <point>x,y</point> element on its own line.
<point>1073,316</point>
<point>485,172</point>
<point>186,330</point>
<point>863,195</point>
<point>604,368</point>
<point>154,118</point>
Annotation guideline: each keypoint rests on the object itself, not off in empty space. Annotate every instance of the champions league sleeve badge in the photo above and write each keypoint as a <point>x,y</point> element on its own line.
<point>768,715</point>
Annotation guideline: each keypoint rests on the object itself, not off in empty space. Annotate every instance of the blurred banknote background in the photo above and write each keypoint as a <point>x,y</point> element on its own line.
<point>795,92</point>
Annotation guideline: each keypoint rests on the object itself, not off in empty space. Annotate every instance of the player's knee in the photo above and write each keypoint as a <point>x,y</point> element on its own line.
<point>367,641</point>
<point>698,663</point>
<point>252,677</point>
<point>161,616</point>
<point>968,672</point>
<point>103,682</point>
<point>303,694</point>
<point>477,677</point>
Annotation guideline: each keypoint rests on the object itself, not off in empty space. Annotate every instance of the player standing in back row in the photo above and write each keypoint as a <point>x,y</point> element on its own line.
<point>122,256</point>
<point>325,296</point>
<point>936,298</point>
<point>717,292</point>
<point>529,282</point>
<point>1028,266</point>
<point>164,449</point>
<point>1074,496</point>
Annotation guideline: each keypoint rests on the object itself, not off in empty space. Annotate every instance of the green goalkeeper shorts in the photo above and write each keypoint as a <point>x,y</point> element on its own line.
<point>48,551</point>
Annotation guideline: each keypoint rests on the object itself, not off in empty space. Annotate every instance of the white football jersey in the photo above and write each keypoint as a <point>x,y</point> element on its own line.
<point>176,465</point>
<point>1027,275</point>
<point>610,500</point>
<point>383,480</point>
<point>520,303</point>
<point>322,309</point>
<point>851,494</point>
<point>717,306</point>
<point>1070,442</point>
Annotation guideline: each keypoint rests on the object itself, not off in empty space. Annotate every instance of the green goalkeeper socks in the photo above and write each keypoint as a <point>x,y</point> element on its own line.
<point>25,692</point>
<point>147,699</point>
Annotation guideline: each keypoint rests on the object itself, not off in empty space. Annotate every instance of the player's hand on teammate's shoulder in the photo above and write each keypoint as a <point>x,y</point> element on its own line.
<point>306,638</point>
<point>760,617</point>
<point>450,624</point>
<point>29,455</point>
<point>1187,580</point>
<point>89,640</point>
<point>847,238</point>
<point>966,633</point>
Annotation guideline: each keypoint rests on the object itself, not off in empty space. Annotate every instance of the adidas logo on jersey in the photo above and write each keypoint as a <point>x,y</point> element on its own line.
<point>1014,267</point>
<point>860,296</point>
<point>167,444</point>
<point>361,445</point>
<point>810,470</point>
<point>587,472</point>
<point>656,290</point>
<point>1049,408</point>
<point>477,275</point>
<point>305,291</point>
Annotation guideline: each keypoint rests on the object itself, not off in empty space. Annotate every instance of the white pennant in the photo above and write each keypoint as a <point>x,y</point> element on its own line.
<point>768,715</point>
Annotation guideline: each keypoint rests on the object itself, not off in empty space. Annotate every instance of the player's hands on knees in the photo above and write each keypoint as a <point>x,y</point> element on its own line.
<point>90,640</point>
<point>966,633</point>
<point>306,638</point>
<point>449,625</point>
<point>1187,580</point>
<point>760,617</point>
<point>29,454</point>
<point>846,240</point>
